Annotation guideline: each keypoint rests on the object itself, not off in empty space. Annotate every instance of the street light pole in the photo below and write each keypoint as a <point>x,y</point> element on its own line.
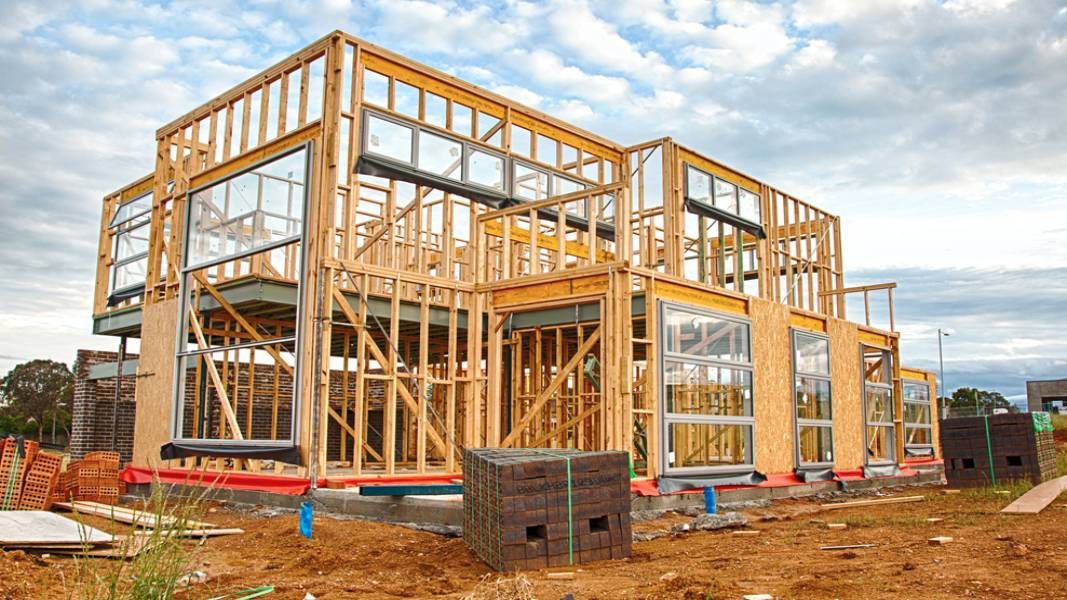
<point>941,358</point>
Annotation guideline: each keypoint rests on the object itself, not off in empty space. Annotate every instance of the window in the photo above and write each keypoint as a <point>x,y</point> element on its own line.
<point>878,405</point>
<point>129,253</point>
<point>918,431</point>
<point>390,139</point>
<point>723,195</point>
<point>485,169</point>
<point>252,216</point>
<point>707,391</point>
<point>814,414</point>
<point>440,155</point>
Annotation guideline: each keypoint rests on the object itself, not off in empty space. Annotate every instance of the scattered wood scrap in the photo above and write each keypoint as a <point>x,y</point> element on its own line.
<point>561,575</point>
<point>848,547</point>
<point>837,525</point>
<point>940,540</point>
<point>129,516</point>
<point>934,519</point>
<point>1035,500</point>
<point>834,505</point>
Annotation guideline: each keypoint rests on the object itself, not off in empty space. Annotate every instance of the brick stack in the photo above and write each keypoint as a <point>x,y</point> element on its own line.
<point>94,478</point>
<point>27,481</point>
<point>516,507</point>
<point>1022,448</point>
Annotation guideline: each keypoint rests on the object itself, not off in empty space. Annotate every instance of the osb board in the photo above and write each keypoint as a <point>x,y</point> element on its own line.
<point>550,290</point>
<point>847,401</point>
<point>872,338</point>
<point>666,290</point>
<point>155,375</point>
<point>803,321</point>
<point>773,387</point>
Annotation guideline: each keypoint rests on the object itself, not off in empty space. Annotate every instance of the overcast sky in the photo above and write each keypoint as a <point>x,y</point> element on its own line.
<point>937,130</point>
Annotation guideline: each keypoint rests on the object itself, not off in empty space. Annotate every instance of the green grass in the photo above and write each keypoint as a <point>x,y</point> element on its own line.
<point>1015,487</point>
<point>1061,461</point>
<point>1059,421</point>
<point>154,572</point>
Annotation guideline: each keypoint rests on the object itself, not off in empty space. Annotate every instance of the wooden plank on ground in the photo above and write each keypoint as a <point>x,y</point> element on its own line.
<point>1038,498</point>
<point>125,515</point>
<point>871,502</point>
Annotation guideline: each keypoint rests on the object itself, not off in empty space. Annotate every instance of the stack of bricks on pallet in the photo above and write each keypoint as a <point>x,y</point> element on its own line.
<point>516,507</point>
<point>94,478</point>
<point>1019,451</point>
<point>28,477</point>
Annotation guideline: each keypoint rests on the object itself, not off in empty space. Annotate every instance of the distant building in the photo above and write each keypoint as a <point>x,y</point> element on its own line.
<point>1049,395</point>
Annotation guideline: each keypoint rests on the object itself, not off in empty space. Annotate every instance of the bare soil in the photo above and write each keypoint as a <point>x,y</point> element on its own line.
<point>991,556</point>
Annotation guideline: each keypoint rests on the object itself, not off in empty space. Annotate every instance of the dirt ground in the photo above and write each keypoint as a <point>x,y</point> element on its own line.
<point>992,556</point>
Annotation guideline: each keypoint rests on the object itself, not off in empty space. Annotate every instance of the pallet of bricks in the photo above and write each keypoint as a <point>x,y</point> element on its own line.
<point>525,509</point>
<point>28,476</point>
<point>94,478</point>
<point>1020,445</point>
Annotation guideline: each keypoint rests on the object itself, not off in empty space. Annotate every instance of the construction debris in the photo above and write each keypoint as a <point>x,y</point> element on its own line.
<point>836,505</point>
<point>40,529</point>
<point>129,516</point>
<point>940,540</point>
<point>27,476</point>
<point>837,525</point>
<point>1035,500</point>
<point>710,522</point>
<point>849,547</point>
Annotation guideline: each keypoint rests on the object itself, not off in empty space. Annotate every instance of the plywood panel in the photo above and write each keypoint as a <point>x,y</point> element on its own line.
<point>701,297</point>
<point>773,387</point>
<point>847,399</point>
<point>155,376</point>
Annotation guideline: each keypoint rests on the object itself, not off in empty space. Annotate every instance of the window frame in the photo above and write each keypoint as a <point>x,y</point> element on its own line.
<point>667,419</point>
<point>887,354</point>
<point>827,377</point>
<point>928,403</point>
<point>121,229</point>
<point>711,192</point>
<point>182,355</point>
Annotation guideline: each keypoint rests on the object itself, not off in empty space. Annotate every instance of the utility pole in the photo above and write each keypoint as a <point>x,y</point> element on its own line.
<point>941,358</point>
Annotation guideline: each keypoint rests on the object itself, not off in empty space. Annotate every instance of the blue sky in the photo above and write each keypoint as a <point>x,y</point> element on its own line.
<point>936,129</point>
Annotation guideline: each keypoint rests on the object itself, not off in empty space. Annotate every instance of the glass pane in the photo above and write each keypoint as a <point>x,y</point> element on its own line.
<point>812,354</point>
<point>879,405</point>
<point>749,206</point>
<point>813,399</point>
<point>131,242</point>
<point>918,392</point>
<point>389,139</point>
<point>485,169</point>
<point>916,413</point>
<point>698,185</point>
<point>725,195</point>
<point>129,274</point>
<point>708,445</point>
<point>375,88</point>
<point>880,444</point>
<point>529,184</point>
<point>133,208</point>
<point>918,436</point>
<point>255,209</point>
<point>705,335</point>
<point>876,366</point>
<point>706,390</point>
<point>816,444</point>
<point>440,156</point>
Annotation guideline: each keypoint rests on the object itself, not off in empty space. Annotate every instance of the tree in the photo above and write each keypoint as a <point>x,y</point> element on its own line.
<point>37,394</point>
<point>963,401</point>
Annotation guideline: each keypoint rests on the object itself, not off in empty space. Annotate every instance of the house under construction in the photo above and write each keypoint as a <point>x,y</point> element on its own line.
<point>355,265</point>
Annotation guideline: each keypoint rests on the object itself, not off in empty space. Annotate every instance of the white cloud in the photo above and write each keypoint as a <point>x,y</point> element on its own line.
<point>816,54</point>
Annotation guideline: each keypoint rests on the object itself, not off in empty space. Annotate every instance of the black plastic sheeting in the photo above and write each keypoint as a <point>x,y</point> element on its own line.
<point>121,295</point>
<point>881,471</point>
<point>378,167</point>
<point>285,454</point>
<point>810,474</point>
<point>707,210</point>
<point>669,485</point>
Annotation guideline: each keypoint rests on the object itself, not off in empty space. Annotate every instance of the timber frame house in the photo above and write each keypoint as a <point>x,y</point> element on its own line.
<point>355,265</point>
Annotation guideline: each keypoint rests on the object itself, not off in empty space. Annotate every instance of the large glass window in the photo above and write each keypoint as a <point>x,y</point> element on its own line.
<point>129,254</point>
<point>878,405</point>
<point>724,195</point>
<point>918,430</point>
<point>707,390</point>
<point>247,218</point>
<point>812,394</point>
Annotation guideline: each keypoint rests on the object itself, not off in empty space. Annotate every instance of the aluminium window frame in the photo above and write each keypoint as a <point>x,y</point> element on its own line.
<point>666,418</point>
<point>116,264</point>
<point>888,367</point>
<point>828,378</point>
<point>742,223</point>
<point>929,426</point>
<point>181,355</point>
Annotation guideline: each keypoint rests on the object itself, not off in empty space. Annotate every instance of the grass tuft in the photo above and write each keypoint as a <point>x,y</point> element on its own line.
<point>502,588</point>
